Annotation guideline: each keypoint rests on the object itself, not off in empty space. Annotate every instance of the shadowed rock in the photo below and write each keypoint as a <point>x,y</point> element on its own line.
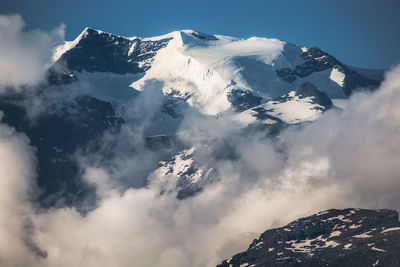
<point>349,237</point>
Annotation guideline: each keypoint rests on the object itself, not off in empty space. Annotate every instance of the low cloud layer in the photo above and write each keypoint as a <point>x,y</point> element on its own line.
<point>348,158</point>
<point>17,190</point>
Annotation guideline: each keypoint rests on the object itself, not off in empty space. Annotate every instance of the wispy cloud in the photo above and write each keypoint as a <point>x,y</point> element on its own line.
<point>24,55</point>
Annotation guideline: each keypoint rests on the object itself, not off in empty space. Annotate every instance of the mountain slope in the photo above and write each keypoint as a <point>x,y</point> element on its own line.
<point>101,84</point>
<point>350,237</point>
<point>305,103</point>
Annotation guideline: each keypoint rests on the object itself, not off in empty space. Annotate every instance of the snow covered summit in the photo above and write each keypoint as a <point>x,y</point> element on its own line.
<point>213,73</point>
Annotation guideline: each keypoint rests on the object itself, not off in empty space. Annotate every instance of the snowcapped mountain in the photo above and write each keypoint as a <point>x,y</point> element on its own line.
<point>102,86</point>
<point>350,237</point>
<point>213,73</point>
<point>254,81</point>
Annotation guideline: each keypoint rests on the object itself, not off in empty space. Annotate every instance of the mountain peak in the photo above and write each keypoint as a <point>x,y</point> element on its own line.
<point>308,89</point>
<point>86,32</point>
<point>201,35</point>
<point>90,30</point>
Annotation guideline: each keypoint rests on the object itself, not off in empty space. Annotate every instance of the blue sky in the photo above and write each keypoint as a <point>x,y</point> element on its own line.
<point>363,33</point>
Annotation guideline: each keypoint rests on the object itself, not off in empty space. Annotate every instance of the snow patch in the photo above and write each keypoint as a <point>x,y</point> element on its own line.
<point>335,233</point>
<point>309,245</point>
<point>391,229</point>
<point>132,48</point>
<point>340,217</point>
<point>354,226</point>
<point>294,110</point>
<point>364,235</point>
<point>347,246</point>
<point>378,249</point>
<point>337,76</point>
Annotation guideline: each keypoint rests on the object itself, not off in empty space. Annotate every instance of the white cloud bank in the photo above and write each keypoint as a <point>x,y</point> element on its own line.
<point>17,173</point>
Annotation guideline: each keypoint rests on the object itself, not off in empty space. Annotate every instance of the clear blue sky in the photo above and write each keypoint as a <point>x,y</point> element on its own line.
<point>363,33</point>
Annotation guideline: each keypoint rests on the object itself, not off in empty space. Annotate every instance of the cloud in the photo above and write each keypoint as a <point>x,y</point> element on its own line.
<point>24,56</point>
<point>347,158</point>
<point>361,144</point>
<point>17,190</point>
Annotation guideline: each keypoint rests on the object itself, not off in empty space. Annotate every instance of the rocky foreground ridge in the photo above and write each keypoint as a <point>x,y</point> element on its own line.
<point>349,237</point>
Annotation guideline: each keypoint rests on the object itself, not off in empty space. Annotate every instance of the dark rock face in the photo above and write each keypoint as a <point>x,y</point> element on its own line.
<point>103,52</point>
<point>204,36</point>
<point>57,136</point>
<point>59,74</point>
<point>309,90</point>
<point>262,114</point>
<point>77,126</point>
<point>164,142</point>
<point>350,237</point>
<point>316,60</point>
<point>242,100</point>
